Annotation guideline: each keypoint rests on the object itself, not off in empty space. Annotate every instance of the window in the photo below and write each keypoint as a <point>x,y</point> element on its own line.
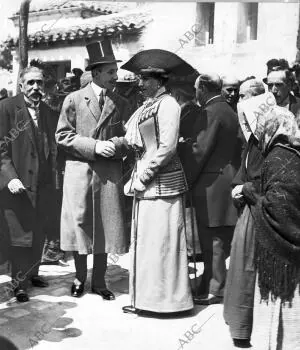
<point>247,22</point>
<point>204,27</point>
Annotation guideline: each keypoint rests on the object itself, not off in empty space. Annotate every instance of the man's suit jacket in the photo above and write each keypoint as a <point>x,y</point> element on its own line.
<point>211,161</point>
<point>294,105</point>
<point>19,159</point>
<point>93,201</point>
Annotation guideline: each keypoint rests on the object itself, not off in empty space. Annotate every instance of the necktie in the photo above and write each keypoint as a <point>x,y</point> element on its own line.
<point>101,100</point>
<point>35,108</point>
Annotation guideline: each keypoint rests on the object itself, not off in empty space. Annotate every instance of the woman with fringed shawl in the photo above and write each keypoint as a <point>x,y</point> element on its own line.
<point>277,224</point>
<point>240,280</point>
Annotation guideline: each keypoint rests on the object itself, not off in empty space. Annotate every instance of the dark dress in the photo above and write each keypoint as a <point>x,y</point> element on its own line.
<point>240,283</point>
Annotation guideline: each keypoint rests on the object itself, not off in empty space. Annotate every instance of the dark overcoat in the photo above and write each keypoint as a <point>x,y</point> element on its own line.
<point>211,160</point>
<point>92,216</point>
<point>19,159</point>
<point>294,105</point>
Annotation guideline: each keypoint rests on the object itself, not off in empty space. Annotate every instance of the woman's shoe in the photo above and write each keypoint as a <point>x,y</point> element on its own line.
<point>130,310</point>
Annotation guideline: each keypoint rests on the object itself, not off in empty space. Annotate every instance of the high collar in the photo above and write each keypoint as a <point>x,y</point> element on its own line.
<point>97,89</point>
<point>159,92</point>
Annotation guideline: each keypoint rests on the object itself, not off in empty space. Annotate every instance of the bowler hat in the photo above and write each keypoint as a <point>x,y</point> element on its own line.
<point>160,62</point>
<point>100,52</point>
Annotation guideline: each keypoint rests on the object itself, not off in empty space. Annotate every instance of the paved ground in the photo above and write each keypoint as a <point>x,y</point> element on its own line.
<point>55,320</point>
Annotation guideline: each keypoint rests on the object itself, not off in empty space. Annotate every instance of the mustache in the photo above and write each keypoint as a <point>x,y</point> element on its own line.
<point>39,93</point>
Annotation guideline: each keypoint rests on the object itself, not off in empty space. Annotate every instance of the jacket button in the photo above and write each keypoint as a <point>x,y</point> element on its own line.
<point>30,171</point>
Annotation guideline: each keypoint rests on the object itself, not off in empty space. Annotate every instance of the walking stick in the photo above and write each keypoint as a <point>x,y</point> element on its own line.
<point>193,232</point>
<point>134,223</point>
<point>131,308</point>
<point>193,239</point>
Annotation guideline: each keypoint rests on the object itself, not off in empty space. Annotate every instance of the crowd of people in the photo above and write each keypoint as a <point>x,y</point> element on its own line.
<point>100,165</point>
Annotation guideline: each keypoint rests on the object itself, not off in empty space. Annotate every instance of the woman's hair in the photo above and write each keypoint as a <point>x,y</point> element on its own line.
<point>158,76</point>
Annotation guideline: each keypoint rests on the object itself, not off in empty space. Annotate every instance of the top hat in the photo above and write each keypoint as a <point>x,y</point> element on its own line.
<point>100,52</point>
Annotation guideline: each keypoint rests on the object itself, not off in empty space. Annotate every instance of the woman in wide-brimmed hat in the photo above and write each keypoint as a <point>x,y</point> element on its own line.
<point>277,225</point>
<point>159,279</point>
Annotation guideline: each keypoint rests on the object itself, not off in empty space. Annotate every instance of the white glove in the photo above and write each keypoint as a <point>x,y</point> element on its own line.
<point>138,185</point>
<point>105,148</point>
<point>237,191</point>
<point>15,186</point>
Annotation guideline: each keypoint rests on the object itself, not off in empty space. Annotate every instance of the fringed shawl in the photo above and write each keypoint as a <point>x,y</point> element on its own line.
<point>277,213</point>
<point>277,223</point>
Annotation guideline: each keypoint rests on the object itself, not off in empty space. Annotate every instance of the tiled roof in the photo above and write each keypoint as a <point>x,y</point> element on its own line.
<point>103,7</point>
<point>78,28</point>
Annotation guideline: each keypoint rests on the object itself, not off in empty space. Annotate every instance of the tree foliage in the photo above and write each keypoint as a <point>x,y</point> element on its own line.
<point>5,57</point>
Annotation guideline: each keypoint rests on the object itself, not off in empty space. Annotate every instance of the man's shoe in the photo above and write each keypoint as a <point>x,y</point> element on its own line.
<point>21,295</point>
<point>38,281</point>
<point>209,300</point>
<point>104,293</point>
<point>242,343</point>
<point>77,290</point>
<point>130,310</point>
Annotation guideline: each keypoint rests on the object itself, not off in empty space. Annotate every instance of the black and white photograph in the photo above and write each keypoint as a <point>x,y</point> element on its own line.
<point>149,175</point>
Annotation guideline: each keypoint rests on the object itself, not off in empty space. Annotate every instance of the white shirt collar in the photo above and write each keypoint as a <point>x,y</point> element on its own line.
<point>212,99</point>
<point>97,89</point>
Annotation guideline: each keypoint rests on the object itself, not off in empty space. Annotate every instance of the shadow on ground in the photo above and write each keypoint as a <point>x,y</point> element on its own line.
<point>43,319</point>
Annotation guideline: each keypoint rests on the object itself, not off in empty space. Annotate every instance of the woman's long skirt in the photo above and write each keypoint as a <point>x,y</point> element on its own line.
<point>159,280</point>
<point>240,282</point>
<point>276,326</point>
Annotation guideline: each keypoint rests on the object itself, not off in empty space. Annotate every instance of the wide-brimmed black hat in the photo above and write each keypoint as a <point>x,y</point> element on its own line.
<point>100,52</point>
<point>183,80</point>
<point>159,62</point>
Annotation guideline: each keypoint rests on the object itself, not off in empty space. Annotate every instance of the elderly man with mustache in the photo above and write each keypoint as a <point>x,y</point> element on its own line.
<point>27,177</point>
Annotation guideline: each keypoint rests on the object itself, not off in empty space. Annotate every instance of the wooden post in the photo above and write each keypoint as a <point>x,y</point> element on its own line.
<point>23,40</point>
<point>298,38</point>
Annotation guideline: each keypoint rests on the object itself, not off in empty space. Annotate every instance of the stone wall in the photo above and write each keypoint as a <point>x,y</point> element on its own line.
<point>277,35</point>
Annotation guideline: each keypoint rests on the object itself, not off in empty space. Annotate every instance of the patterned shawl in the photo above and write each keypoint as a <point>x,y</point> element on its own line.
<point>277,212</point>
<point>133,136</point>
<point>277,126</point>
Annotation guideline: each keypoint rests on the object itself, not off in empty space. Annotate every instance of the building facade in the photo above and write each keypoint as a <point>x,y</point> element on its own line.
<point>236,38</point>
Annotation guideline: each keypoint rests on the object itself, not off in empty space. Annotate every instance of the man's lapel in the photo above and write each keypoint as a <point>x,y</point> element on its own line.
<point>108,108</point>
<point>92,102</point>
<point>24,119</point>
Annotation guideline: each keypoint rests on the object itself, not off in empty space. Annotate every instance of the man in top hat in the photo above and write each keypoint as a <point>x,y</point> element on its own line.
<point>92,218</point>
